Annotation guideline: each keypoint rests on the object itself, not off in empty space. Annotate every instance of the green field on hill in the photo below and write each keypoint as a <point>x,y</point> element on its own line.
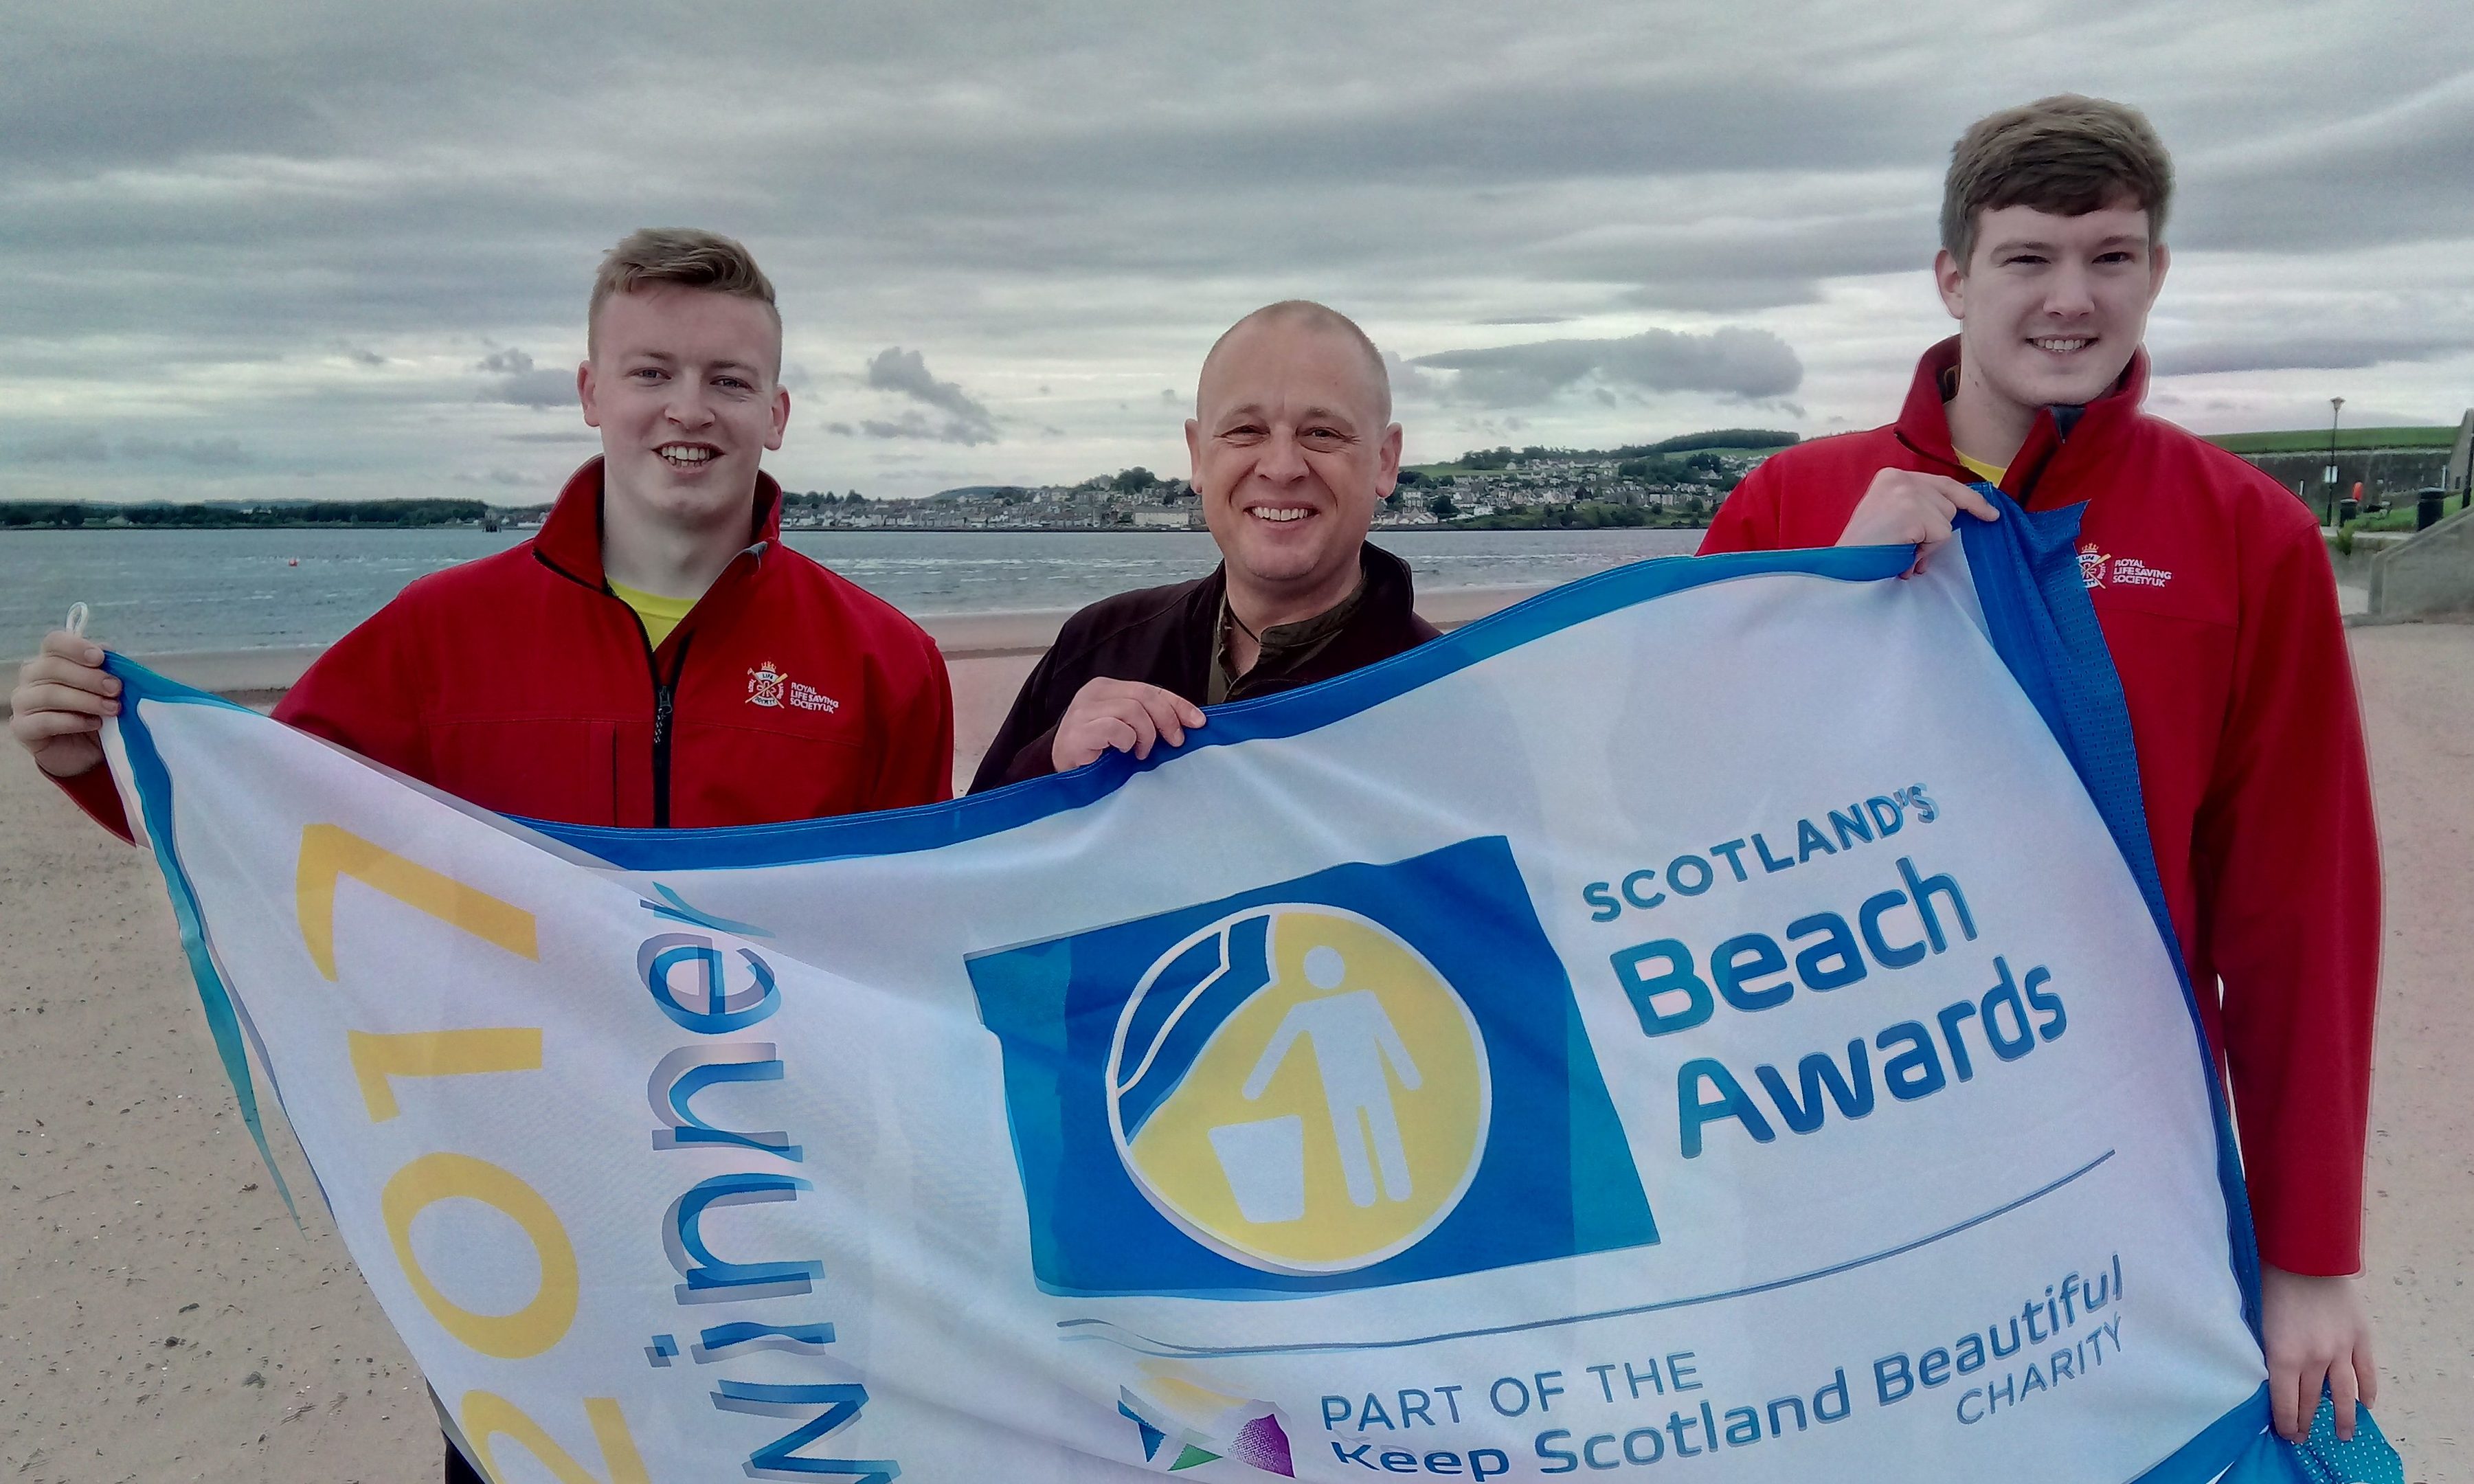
<point>2357,439</point>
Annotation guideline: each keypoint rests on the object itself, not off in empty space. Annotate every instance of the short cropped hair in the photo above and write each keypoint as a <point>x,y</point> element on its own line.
<point>2066,155</point>
<point>681,256</point>
<point>1320,317</point>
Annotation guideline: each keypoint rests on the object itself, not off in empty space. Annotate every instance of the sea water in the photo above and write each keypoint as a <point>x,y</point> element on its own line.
<point>175,591</point>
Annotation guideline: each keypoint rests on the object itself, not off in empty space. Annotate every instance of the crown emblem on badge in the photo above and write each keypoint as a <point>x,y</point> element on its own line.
<point>2092,565</point>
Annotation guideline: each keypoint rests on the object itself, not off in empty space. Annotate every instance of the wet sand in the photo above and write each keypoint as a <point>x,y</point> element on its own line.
<point>162,1318</point>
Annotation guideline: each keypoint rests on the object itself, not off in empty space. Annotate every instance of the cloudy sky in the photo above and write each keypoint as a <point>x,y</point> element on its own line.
<point>281,252</point>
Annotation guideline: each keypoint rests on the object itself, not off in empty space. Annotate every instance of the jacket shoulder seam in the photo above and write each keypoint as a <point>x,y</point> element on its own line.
<point>1083,645</point>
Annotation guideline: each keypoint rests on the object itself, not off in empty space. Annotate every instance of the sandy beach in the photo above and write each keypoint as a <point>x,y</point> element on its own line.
<point>162,1318</point>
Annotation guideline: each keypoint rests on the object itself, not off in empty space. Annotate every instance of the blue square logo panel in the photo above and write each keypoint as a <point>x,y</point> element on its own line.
<point>1367,1076</point>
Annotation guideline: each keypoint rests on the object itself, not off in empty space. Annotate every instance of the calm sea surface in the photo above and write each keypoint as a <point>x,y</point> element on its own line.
<point>165,592</point>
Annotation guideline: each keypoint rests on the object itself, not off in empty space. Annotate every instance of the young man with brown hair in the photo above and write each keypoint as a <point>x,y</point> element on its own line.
<point>2220,608</point>
<point>655,657</point>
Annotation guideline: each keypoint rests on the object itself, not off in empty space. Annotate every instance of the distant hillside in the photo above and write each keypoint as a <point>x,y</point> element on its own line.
<point>69,515</point>
<point>1718,438</point>
<point>2307,440</point>
<point>1750,440</point>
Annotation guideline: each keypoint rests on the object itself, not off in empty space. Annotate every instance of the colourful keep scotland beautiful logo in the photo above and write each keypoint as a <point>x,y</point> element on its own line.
<point>1367,1076</point>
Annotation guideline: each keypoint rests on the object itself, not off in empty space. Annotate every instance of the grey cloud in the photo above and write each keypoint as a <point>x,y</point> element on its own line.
<point>841,429</point>
<point>67,448</point>
<point>984,183</point>
<point>1410,384</point>
<point>200,453</point>
<point>560,435</point>
<point>1734,258</point>
<point>90,447</point>
<point>541,388</point>
<point>2388,174</point>
<point>1733,362</point>
<point>522,383</point>
<point>918,425</point>
<point>2301,353</point>
<point>1727,295</point>
<point>1115,182</point>
<point>906,372</point>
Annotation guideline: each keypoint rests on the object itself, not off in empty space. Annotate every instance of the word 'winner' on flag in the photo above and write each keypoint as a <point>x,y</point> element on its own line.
<point>1718,1016</point>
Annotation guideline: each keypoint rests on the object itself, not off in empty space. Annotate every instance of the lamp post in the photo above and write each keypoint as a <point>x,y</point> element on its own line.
<point>2335,404</point>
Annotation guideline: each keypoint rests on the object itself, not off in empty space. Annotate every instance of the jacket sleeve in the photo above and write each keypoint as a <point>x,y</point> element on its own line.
<point>2286,861</point>
<point>1748,519</point>
<point>361,693</point>
<point>918,766</point>
<point>94,791</point>
<point>1024,746</point>
<point>367,693</point>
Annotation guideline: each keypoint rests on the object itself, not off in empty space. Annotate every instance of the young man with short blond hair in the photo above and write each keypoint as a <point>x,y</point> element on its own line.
<point>655,656</point>
<point>2217,603</point>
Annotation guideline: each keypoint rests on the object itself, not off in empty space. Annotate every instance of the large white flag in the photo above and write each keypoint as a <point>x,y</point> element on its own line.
<point>1717,1017</point>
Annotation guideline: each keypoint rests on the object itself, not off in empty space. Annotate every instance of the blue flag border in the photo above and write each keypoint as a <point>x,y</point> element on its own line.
<point>2039,619</point>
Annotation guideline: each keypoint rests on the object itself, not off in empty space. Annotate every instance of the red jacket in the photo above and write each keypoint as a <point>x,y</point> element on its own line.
<point>520,683</point>
<point>2217,601</point>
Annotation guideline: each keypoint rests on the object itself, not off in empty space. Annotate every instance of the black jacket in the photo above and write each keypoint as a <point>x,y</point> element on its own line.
<point>1166,637</point>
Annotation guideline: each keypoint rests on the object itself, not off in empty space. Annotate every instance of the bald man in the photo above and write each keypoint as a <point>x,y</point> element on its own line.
<point>1293,447</point>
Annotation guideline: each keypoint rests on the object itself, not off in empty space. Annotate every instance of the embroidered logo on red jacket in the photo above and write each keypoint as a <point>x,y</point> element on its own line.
<point>2096,570</point>
<point>767,686</point>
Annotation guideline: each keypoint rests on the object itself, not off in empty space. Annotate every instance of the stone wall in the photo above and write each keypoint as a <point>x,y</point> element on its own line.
<point>2397,473</point>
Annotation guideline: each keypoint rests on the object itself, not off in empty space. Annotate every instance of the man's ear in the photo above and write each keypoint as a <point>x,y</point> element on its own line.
<point>1194,454</point>
<point>584,393</point>
<point>2159,258</point>
<point>1949,277</point>
<point>1388,474</point>
<point>781,417</point>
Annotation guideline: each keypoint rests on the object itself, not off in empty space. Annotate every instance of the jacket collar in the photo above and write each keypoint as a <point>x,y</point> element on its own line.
<point>1390,591</point>
<point>1382,622</point>
<point>571,537</point>
<point>1389,598</point>
<point>2061,442</point>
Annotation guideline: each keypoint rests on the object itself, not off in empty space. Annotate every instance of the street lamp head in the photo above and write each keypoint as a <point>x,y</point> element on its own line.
<point>2336,402</point>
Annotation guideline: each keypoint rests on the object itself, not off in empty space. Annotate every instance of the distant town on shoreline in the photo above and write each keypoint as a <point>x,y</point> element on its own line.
<point>1678,482</point>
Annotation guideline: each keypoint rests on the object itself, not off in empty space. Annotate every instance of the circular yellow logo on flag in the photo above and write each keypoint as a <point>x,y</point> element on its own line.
<point>1298,1089</point>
